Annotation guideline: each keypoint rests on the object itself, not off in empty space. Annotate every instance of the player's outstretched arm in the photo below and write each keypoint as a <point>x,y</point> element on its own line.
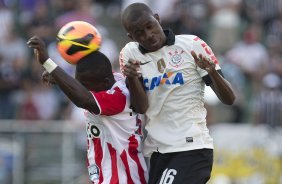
<point>220,86</point>
<point>73,89</point>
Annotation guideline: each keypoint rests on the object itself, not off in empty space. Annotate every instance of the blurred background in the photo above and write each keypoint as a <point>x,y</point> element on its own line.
<point>42,135</point>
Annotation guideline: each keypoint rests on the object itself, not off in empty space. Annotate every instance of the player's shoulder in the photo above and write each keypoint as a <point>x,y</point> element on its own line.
<point>189,40</point>
<point>130,46</point>
<point>186,37</point>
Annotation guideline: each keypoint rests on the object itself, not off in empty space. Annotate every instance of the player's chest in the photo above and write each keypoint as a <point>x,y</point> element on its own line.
<point>168,66</point>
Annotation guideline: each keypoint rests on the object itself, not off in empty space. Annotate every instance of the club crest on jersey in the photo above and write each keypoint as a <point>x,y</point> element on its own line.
<point>94,172</point>
<point>176,58</point>
<point>161,65</point>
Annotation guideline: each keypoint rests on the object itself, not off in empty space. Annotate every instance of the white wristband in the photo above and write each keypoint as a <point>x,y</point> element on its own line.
<point>49,65</point>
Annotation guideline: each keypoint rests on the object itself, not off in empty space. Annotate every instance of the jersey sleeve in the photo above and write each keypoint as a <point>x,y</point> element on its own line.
<point>110,102</point>
<point>123,58</point>
<point>201,47</point>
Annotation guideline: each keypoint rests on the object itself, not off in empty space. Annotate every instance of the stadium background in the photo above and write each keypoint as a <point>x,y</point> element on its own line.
<point>42,139</point>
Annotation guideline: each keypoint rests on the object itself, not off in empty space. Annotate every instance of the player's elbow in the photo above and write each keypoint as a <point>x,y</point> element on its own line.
<point>89,105</point>
<point>230,100</point>
<point>80,104</point>
<point>141,109</point>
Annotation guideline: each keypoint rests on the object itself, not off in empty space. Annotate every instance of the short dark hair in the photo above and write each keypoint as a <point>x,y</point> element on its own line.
<point>133,12</point>
<point>95,64</point>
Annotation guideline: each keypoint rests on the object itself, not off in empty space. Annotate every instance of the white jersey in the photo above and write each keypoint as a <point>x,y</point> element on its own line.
<point>176,117</point>
<point>114,139</point>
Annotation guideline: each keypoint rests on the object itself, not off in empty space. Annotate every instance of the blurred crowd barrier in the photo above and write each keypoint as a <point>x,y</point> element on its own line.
<point>42,152</point>
<point>54,152</point>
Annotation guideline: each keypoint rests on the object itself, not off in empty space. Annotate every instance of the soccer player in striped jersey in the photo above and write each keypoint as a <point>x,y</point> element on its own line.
<point>113,129</point>
<point>174,70</point>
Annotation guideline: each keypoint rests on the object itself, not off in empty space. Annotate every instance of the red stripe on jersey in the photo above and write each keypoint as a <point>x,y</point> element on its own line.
<point>98,157</point>
<point>127,170</point>
<point>113,153</point>
<point>111,103</point>
<point>196,38</point>
<point>133,152</point>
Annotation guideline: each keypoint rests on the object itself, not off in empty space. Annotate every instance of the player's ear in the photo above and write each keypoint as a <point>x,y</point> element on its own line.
<point>107,82</point>
<point>157,17</point>
<point>129,36</point>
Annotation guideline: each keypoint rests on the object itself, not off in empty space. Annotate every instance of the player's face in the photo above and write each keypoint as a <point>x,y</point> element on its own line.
<point>147,31</point>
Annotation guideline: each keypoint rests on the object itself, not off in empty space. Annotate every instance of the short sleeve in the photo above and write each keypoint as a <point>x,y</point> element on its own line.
<point>123,58</point>
<point>201,47</point>
<point>110,102</point>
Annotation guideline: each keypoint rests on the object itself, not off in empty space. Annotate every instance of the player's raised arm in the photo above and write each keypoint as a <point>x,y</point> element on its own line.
<point>220,86</point>
<point>131,69</point>
<point>73,89</point>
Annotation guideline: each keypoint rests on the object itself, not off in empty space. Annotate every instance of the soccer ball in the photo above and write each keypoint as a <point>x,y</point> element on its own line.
<point>76,40</point>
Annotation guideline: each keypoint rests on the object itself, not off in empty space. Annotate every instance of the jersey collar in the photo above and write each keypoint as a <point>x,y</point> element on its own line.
<point>170,40</point>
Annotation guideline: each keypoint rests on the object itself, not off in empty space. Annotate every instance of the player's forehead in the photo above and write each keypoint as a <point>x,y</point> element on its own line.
<point>140,21</point>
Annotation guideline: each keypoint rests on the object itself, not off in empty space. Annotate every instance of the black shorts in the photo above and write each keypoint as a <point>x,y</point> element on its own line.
<point>188,167</point>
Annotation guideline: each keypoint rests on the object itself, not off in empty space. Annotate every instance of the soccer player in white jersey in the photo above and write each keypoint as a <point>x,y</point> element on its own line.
<point>174,70</point>
<point>113,130</point>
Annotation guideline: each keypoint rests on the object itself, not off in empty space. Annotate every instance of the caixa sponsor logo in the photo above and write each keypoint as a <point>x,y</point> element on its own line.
<point>165,79</point>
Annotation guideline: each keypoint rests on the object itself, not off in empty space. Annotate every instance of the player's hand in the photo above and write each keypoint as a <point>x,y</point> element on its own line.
<point>132,69</point>
<point>39,47</point>
<point>47,78</point>
<point>203,62</point>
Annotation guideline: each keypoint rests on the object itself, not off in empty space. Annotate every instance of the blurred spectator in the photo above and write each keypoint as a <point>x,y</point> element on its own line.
<point>36,100</point>
<point>267,104</point>
<point>261,11</point>
<point>36,19</point>
<point>224,24</point>
<point>13,62</point>
<point>236,77</point>
<point>26,108</point>
<point>275,63</point>
<point>273,35</point>
<point>47,101</point>
<point>125,3</point>
<point>6,20</point>
<point>78,10</point>
<point>251,56</point>
<point>165,10</point>
<point>109,47</point>
<point>191,18</point>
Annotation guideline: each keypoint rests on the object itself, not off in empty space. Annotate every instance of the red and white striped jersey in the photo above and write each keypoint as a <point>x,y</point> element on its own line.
<point>114,139</point>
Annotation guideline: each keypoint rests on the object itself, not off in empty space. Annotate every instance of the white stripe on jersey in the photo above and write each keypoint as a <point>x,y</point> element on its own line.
<point>114,154</point>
